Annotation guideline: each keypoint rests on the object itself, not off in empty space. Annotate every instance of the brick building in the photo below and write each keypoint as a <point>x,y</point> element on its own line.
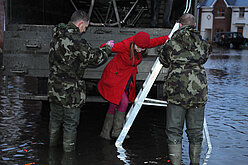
<point>223,16</point>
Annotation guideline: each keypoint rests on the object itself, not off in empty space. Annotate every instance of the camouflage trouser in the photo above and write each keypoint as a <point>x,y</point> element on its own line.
<point>69,117</point>
<point>175,117</point>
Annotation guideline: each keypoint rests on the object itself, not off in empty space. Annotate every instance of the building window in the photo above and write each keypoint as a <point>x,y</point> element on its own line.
<point>220,12</point>
<point>241,12</point>
<point>219,30</point>
<point>240,29</point>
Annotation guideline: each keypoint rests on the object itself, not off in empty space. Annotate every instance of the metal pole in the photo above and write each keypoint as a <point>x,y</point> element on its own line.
<point>91,7</point>
<point>109,7</point>
<point>74,5</point>
<point>116,13</point>
<point>129,11</point>
<point>185,11</point>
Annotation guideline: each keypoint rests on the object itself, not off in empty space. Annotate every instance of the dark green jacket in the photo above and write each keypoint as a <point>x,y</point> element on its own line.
<point>184,54</point>
<point>69,56</point>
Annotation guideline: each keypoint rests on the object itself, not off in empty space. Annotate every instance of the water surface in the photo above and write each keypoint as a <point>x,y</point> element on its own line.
<point>24,124</point>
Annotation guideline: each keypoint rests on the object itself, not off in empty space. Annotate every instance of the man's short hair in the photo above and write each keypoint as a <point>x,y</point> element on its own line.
<point>187,19</point>
<point>79,15</point>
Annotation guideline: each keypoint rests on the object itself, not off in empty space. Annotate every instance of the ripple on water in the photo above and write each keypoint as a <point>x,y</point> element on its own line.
<point>226,114</point>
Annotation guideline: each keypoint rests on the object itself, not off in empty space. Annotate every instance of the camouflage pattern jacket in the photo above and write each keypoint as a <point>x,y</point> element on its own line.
<point>69,55</point>
<point>184,54</point>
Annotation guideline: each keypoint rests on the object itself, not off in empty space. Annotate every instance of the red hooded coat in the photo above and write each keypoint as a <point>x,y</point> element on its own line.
<point>119,70</point>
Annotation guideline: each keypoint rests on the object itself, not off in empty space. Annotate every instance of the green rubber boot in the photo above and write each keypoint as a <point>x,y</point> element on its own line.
<point>194,154</point>
<point>119,119</point>
<point>69,142</point>
<point>53,137</point>
<point>69,158</point>
<point>175,153</point>
<point>54,131</point>
<point>107,126</point>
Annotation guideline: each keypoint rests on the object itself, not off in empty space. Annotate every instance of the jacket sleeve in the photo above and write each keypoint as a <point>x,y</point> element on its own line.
<point>118,47</point>
<point>94,56</point>
<point>158,41</point>
<point>164,55</point>
<point>207,51</point>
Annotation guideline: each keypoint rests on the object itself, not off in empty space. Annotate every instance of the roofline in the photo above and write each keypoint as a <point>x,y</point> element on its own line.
<point>212,5</point>
<point>239,6</point>
<point>231,6</point>
<point>206,7</point>
<point>217,0</point>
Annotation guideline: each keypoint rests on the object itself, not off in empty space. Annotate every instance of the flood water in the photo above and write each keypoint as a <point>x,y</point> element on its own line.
<point>24,124</point>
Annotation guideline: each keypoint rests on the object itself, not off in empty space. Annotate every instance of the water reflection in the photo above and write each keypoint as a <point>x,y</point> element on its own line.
<point>24,131</point>
<point>17,123</point>
<point>227,106</point>
<point>123,155</point>
<point>57,157</point>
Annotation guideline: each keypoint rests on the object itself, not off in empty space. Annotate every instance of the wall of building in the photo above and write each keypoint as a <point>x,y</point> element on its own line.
<point>206,23</point>
<point>237,21</point>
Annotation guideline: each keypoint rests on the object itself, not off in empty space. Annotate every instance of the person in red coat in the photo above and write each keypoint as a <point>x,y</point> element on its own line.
<point>117,84</point>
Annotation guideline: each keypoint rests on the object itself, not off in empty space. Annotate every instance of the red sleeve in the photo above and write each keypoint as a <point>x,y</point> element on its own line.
<point>119,47</point>
<point>158,41</point>
<point>122,46</point>
<point>102,45</point>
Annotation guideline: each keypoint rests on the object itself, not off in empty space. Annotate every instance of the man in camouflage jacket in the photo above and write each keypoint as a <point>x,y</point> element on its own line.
<point>185,88</point>
<point>68,57</point>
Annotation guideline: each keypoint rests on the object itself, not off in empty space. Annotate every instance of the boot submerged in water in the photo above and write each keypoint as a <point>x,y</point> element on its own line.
<point>119,119</point>
<point>69,142</point>
<point>194,154</point>
<point>54,132</point>
<point>107,126</point>
<point>53,137</point>
<point>175,153</point>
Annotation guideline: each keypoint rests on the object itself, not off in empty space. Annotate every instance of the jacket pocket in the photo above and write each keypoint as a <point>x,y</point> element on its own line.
<point>114,68</point>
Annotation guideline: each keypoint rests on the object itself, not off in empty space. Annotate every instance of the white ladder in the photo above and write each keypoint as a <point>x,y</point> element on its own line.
<point>141,100</point>
<point>141,97</point>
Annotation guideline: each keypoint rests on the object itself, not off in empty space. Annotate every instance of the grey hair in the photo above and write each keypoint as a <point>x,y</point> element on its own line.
<point>187,19</point>
<point>79,15</point>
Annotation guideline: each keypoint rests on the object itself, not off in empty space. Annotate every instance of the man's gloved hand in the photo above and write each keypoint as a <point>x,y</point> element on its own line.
<point>110,43</point>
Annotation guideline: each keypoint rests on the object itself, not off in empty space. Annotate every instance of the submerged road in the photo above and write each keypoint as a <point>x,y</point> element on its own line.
<point>24,124</point>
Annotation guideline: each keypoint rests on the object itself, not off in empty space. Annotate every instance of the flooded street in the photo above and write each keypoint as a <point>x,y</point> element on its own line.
<point>24,124</point>
<point>227,108</point>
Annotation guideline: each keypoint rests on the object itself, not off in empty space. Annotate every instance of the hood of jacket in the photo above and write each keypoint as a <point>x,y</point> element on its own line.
<point>63,29</point>
<point>188,36</point>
